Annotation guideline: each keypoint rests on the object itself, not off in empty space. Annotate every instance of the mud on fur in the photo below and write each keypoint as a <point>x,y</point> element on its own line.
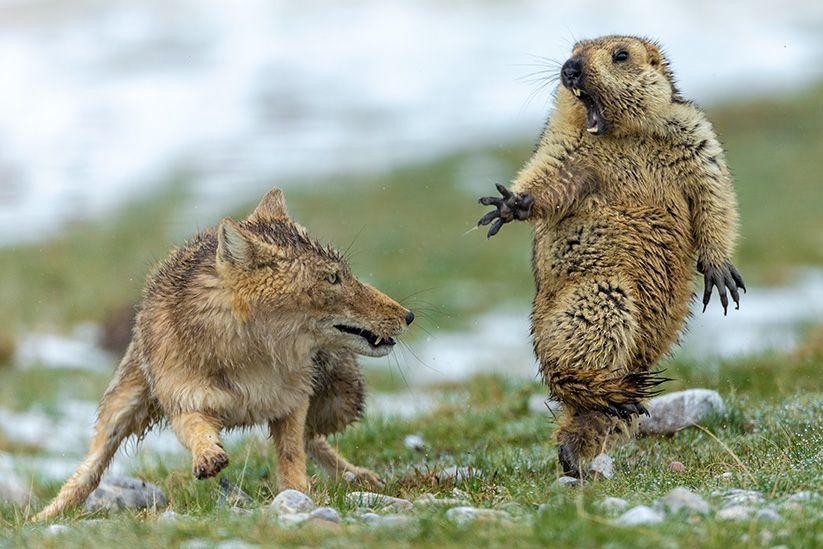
<point>249,322</point>
<point>628,191</point>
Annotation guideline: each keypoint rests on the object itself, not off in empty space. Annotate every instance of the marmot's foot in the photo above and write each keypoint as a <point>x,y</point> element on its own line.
<point>569,462</point>
<point>722,277</point>
<point>511,206</point>
<point>210,462</point>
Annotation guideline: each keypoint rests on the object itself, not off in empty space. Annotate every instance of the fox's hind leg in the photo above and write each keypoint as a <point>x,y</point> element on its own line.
<point>338,401</point>
<point>585,341</point>
<point>201,435</point>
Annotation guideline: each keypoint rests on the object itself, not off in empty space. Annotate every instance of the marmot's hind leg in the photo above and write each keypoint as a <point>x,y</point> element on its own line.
<point>582,436</point>
<point>338,401</point>
<point>585,342</point>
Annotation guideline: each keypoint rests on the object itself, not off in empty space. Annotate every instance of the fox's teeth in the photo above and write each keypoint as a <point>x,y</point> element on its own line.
<point>377,341</point>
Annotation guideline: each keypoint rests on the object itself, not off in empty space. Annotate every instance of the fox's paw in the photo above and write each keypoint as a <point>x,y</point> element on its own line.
<point>363,476</point>
<point>508,207</point>
<point>569,460</point>
<point>721,277</point>
<point>210,462</point>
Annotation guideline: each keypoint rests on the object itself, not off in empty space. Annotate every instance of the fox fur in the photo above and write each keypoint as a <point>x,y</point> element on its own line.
<point>618,220</point>
<point>242,326</point>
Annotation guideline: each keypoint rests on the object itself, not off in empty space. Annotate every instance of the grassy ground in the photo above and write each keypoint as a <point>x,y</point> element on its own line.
<point>770,438</point>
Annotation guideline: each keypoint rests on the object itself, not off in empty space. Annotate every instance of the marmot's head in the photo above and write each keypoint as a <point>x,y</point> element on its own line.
<point>616,84</point>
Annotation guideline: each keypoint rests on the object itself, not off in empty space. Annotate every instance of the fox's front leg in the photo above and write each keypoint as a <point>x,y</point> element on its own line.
<point>289,437</point>
<point>201,435</point>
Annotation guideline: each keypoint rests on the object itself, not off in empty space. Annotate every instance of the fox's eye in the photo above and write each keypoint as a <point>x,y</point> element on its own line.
<point>333,278</point>
<point>620,55</point>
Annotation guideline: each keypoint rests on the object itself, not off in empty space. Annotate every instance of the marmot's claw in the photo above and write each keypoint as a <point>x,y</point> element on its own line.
<point>722,277</point>
<point>511,206</point>
<point>626,410</point>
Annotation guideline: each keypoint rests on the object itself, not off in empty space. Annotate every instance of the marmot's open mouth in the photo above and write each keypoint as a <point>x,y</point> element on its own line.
<point>373,339</point>
<point>595,124</point>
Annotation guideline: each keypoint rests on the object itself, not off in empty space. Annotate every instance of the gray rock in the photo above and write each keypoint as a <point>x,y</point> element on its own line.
<point>767,515</point>
<point>735,512</point>
<point>683,499</point>
<point>386,521</point>
<point>736,496</point>
<point>541,405</point>
<point>118,493</point>
<point>292,502</point>
<point>466,514</point>
<point>675,411</point>
<point>612,504</point>
<point>292,519</point>
<point>568,482</point>
<point>724,477</point>
<point>429,500</point>
<point>414,442</point>
<point>369,517</point>
<point>326,513</point>
<point>802,497</point>
<point>168,516</point>
<point>230,495</point>
<point>602,465</point>
<point>379,501</point>
<point>12,488</point>
<point>457,474</point>
<point>56,529</point>
<point>639,515</point>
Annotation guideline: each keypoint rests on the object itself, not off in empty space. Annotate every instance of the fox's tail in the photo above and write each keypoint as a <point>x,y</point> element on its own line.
<point>124,410</point>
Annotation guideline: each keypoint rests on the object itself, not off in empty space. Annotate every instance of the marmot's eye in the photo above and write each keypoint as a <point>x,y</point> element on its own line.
<point>333,278</point>
<point>620,55</point>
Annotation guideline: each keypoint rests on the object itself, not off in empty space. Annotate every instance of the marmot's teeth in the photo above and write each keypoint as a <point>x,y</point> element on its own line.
<point>593,129</point>
<point>576,91</point>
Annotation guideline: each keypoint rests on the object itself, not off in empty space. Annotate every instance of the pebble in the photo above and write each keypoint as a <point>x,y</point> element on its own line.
<point>231,495</point>
<point>568,482</point>
<point>735,512</point>
<point>683,499</point>
<point>457,474</point>
<point>767,515</point>
<point>675,411</point>
<point>414,442</point>
<point>292,502</point>
<point>602,465</point>
<point>540,405</point>
<point>292,519</point>
<point>386,521</point>
<point>641,514</point>
<point>168,516</point>
<point>613,504</point>
<point>736,496</point>
<point>425,500</point>
<point>118,493</point>
<point>677,467</point>
<point>802,496</point>
<point>725,476</point>
<point>371,499</point>
<point>466,514</point>
<point>12,489</point>
<point>326,513</point>
<point>56,529</point>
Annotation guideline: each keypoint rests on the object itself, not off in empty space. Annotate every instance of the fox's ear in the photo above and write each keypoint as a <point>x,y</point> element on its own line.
<point>234,245</point>
<point>272,206</point>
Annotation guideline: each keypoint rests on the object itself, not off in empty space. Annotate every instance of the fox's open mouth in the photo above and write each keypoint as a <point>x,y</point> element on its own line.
<point>595,124</point>
<point>374,341</point>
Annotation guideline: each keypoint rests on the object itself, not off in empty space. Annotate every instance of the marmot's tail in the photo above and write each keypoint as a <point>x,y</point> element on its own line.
<point>124,410</point>
<point>613,393</point>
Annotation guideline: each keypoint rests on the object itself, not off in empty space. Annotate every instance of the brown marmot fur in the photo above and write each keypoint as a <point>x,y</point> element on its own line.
<point>251,322</point>
<point>627,186</point>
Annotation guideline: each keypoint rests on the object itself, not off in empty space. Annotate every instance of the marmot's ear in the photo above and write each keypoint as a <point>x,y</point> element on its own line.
<point>234,245</point>
<point>272,206</point>
<point>654,54</point>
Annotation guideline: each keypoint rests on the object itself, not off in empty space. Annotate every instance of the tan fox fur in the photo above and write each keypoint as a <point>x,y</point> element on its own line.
<point>627,184</point>
<point>251,322</point>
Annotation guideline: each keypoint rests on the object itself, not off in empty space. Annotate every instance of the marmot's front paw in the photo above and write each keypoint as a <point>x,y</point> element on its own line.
<point>210,462</point>
<point>722,277</point>
<point>511,206</point>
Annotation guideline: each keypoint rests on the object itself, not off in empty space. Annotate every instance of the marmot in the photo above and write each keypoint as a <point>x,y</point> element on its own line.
<point>249,322</point>
<point>626,187</point>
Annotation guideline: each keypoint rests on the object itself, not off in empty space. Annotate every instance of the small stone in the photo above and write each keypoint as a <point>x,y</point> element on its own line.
<point>639,515</point>
<point>429,500</point>
<point>802,496</point>
<point>293,519</point>
<point>457,493</point>
<point>725,476</point>
<point>457,474</point>
<point>465,514</point>
<point>736,496</point>
<point>291,502</point>
<point>56,529</point>
<point>370,517</point>
<point>387,521</point>
<point>168,516</point>
<point>735,512</point>
<point>541,405</point>
<point>414,442</point>
<point>675,411</point>
<point>767,515</point>
<point>614,504</point>
<point>118,493</point>
<point>230,495</point>
<point>381,501</point>
<point>683,499</point>
<point>326,513</point>
<point>602,465</point>
<point>568,482</point>
<point>677,467</point>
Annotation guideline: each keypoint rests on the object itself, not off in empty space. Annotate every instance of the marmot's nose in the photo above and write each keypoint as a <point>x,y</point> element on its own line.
<point>572,71</point>
<point>409,318</point>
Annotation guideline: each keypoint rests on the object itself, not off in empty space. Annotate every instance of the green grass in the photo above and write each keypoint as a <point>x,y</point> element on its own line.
<point>770,438</point>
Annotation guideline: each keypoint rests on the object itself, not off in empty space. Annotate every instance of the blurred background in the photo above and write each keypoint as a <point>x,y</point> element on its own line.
<point>127,125</point>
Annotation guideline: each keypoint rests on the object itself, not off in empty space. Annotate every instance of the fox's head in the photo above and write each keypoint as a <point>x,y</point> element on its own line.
<point>275,270</point>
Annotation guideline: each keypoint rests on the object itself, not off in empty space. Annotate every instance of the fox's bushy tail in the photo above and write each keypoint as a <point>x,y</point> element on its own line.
<point>125,410</point>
